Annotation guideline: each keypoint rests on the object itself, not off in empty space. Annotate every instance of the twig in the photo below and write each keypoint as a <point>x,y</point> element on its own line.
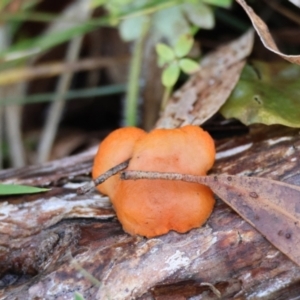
<point>83,9</point>
<point>1,137</point>
<point>57,68</point>
<point>135,175</point>
<point>113,171</point>
<point>213,289</point>
<point>13,119</point>
<point>3,46</point>
<point>13,115</point>
<point>56,109</point>
<point>70,95</point>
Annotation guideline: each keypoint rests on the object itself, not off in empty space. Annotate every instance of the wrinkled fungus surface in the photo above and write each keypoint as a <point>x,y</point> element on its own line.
<point>154,207</point>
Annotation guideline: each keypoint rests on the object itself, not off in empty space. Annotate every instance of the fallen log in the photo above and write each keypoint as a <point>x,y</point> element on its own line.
<point>55,244</point>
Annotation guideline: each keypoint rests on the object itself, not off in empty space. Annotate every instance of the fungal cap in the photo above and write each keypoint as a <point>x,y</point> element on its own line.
<point>116,148</point>
<point>154,207</point>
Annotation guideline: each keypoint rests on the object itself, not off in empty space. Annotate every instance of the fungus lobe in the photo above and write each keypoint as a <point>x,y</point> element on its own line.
<point>150,208</point>
<point>116,148</point>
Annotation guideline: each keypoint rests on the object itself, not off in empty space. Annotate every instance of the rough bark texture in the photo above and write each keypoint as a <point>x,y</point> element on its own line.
<point>42,235</point>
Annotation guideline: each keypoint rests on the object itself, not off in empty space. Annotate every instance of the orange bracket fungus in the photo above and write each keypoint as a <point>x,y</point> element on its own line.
<point>151,208</point>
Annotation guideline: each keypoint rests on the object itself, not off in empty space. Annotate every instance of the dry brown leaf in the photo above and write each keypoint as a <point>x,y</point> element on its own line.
<point>272,207</point>
<point>202,96</point>
<point>264,34</point>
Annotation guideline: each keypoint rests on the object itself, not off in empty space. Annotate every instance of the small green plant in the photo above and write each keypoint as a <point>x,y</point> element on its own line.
<point>169,20</point>
<point>175,60</point>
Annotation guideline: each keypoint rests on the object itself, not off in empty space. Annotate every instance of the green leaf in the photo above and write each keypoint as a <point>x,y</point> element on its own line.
<point>188,66</point>
<point>170,24</point>
<point>14,189</point>
<point>160,61</point>
<point>184,45</point>
<point>165,52</point>
<point>96,3</point>
<point>222,3</point>
<point>78,296</point>
<point>131,28</point>
<point>266,93</point>
<point>200,14</point>
<point>170,74</point>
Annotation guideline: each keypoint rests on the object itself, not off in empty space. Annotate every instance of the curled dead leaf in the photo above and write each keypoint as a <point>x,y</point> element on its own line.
<point>264,33</point>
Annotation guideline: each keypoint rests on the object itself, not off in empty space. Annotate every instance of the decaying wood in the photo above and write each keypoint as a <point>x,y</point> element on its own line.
<point>41,234</point>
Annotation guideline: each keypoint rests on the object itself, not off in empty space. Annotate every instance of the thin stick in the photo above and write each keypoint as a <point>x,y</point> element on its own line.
<point>12,114</point>
<point>134,175</point>
<point>1,136</point>
<point>54,68</point>
<point>113,171</point>
<point>13,120</point>
<point>213,289</point>
<point>57,106</point>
